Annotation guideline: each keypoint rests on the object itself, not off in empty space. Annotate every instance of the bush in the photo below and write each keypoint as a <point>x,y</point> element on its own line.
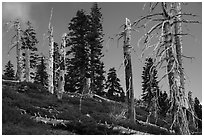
<point>31,87</point>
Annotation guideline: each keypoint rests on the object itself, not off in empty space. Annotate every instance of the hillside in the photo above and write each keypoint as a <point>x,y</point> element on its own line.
<point>28,108</point>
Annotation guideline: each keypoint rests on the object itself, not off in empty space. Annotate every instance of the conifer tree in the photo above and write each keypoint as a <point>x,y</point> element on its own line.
<point>115,91</point>
<point>30,56</point>
<point>150,84</point>
<point>9,73</point>
<point>198,112</point>
<point>95,39</point>
<point>79,67</point>
<point>163,103</point>
<point>41,76</point>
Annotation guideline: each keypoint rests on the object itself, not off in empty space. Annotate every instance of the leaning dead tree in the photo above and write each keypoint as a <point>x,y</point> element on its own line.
<point>17,44</point>
<point>51,54</point>
<point>169,49</point>
<point>128,70</point>
<point>61,80</point>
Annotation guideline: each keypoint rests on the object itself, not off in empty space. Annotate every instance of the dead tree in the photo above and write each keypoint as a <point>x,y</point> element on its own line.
<point>51,60</point>
<point>61,80</point>
<point>17,44</point>
<point>128,70</point>
<point>169,49</point>
<point>18,52</point>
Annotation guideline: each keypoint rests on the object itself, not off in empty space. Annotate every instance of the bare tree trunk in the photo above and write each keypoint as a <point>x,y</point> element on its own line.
<point>128,71</point>
<point>27,64</point>
<point>174,68</point>
<point>18,49</point>
<point>51,53</point>
<point>61,80</point>
<point>183,105</point>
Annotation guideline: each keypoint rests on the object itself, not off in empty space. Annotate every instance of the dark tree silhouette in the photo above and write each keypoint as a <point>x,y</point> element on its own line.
<point>9,72</point>
<point>115,91</point>
<point>149,84</point>
<point>163,103</point>
<point>95,39</point>
<point>79,61</point>
<point>41,73</point>
<point>198,111</point>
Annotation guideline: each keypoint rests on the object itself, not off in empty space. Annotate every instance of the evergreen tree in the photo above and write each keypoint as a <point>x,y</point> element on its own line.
<point>198,111</point>
<point>163,103</point>
<point>9,73</point>
<point>41,76</point>
<point>95,39</point>
<point>79,61</point>
<point>115,91</point>
<point>29,42</point>
<point>150,84</point>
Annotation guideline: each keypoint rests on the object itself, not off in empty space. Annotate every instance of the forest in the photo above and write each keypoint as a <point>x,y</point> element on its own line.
<point>69,92</point>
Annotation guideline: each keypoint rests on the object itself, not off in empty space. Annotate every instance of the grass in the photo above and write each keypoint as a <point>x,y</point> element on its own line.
<point>36,99</point>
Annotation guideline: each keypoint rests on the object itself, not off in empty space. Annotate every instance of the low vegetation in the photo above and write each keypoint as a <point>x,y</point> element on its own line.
<point>24,101</point>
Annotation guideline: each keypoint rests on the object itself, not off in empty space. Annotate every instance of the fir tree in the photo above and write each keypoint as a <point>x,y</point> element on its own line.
<point>115,91</point>
<point>198,111</point>
<point>41,76</point>
<point>95,39</point>
<point>163,103</point>
<point>150,84</point>
<point>9,73</point>
<point>79,67</point>
<point>29,42</point>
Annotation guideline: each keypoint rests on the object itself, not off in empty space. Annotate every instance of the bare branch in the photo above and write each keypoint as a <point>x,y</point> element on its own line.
<point>187,21</point>
<point>13,45</point>
<point>153,6</point>
<point>146,17</point>
<point>152,29</point>
<point>188,57</point>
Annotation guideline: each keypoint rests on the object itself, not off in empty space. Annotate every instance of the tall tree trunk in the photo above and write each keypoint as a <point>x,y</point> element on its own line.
<point>61,80</point>
<point>51,60</point>
<point>18,53</point>
<point>174,69</point>
<point>183,105</point>
<point>128,71</point>
<point>27,64</point>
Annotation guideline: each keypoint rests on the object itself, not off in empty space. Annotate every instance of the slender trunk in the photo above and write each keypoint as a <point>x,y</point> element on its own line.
<point>50,69</point>
<point>61,80</point>
<point>128,71</point>
<point>18,52</point>
<point>27,64</point>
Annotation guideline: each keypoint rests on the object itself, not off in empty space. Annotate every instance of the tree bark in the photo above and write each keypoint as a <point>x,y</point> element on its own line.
<point>174,67</point>
<point>51,52</point>
<point>128,71</point>
<point>183,105</point>
<point>18,52</point>
<point>61,80</point>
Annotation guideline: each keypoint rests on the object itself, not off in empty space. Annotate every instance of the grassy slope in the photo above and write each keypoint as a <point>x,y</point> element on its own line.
<point>20,103</point>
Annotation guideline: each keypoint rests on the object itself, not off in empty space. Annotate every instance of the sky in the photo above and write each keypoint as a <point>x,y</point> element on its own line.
<point>114,14</point>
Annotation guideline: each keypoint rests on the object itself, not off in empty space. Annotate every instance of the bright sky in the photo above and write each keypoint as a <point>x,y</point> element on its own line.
<point>114,14</point>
